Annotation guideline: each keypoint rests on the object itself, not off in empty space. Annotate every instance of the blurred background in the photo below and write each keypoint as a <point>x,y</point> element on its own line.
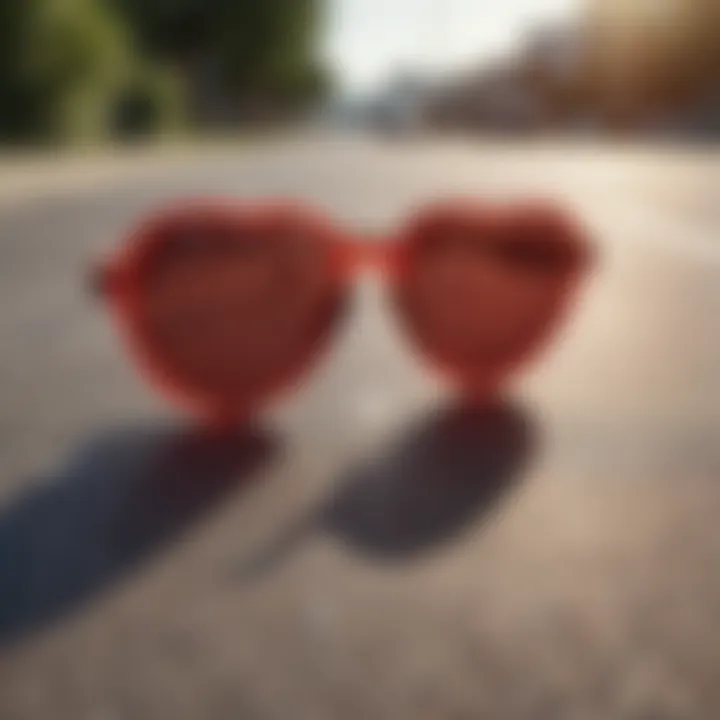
<point>370,548</point>
<point>644,66</point>
<point>87,70</point>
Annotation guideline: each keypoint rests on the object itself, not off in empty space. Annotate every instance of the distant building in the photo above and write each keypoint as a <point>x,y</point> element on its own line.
<point>495,97</point>
<point>553,63</point>
<point>537,89</point>
<point>641,65</point>
<point>651,59</point>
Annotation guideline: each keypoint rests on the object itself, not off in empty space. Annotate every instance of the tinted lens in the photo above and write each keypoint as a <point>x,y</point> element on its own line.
<point>479,296</point>
<point>531,250</point>
<point>230,310</point>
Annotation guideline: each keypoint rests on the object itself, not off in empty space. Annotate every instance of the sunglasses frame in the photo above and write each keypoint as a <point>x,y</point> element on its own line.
<point>568,239</point>
<point>118,280</point>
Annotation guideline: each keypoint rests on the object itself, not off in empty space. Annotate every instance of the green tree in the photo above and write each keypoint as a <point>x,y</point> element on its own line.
<point>76,69</point>
<point>18,99</point>
<point>249,51</point>
<point>81,58</point>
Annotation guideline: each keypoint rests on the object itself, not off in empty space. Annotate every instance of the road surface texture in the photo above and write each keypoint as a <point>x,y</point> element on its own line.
<point>370,551</point>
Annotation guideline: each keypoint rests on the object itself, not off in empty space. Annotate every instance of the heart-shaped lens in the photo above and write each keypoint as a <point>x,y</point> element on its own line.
<point>229,306</point>
<point>479,288</point>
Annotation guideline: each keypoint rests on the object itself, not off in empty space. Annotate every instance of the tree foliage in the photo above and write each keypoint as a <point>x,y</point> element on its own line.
<point>79,68</point>
<point>251,48</point>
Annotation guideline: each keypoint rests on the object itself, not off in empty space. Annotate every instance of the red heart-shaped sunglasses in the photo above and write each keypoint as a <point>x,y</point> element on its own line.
<point>225,304</point>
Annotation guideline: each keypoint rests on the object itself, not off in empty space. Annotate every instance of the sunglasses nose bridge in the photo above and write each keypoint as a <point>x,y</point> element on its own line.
<point>371,252</point>
<point>375,252</point>
<point>363,252</point>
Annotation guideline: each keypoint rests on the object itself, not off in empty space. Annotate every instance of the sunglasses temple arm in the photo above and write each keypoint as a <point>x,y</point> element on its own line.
<point>101,280</point>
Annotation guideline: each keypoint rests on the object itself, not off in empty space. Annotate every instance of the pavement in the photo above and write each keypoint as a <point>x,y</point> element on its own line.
<point>370,549</point>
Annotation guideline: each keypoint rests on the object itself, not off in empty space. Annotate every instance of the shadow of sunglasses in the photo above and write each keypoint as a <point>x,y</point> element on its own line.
<point>225,305</point>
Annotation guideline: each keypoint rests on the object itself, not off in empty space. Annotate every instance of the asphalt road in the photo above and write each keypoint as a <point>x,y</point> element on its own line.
<point>370,551</point>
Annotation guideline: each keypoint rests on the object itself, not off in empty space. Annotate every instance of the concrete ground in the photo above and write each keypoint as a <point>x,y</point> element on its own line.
<point>371,551</point>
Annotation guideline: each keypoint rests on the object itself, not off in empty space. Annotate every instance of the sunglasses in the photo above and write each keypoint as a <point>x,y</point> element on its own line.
<point>224,305</point>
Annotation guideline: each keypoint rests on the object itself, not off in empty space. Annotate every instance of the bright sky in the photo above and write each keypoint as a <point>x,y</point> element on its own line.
<point>369,39</point>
